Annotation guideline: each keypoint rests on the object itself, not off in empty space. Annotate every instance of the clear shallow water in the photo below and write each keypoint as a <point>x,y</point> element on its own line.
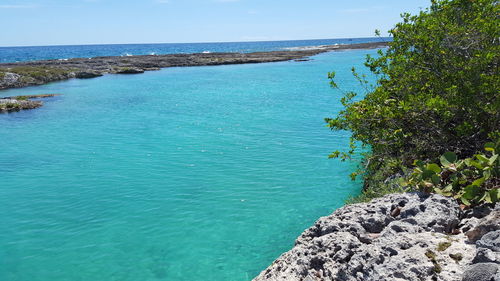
<point>202,173</point>
<point>13,54</point>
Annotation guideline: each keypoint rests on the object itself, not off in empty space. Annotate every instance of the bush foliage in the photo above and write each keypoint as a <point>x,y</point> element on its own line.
<point>473,180</point>
<point>437,88</point>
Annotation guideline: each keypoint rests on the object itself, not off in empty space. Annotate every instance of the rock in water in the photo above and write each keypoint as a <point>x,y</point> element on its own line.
<point>17,103</point>
<point>396,237</point>
<point>10,105</point>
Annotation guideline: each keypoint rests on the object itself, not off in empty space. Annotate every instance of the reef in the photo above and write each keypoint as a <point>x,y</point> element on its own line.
<point>31,73</point>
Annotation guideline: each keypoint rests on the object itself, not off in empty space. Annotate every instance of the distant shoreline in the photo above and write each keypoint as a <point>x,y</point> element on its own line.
<point>32,73</point>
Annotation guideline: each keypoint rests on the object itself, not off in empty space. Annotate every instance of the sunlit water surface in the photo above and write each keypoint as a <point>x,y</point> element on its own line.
<point>202,173</point>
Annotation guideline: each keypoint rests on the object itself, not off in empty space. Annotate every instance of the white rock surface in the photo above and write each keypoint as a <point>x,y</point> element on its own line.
<point>397,237</point>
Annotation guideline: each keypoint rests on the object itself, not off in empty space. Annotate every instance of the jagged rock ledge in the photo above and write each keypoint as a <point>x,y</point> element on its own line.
<point>17,103</point>
<point>400,237</point>
<point>22,74</point>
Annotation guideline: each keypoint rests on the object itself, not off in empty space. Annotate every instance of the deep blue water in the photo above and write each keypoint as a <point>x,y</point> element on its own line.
<point>13,54</point>
<point>199,173</point>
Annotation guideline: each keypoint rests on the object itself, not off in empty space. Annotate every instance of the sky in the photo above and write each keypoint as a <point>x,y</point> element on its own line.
<point>73,22</point>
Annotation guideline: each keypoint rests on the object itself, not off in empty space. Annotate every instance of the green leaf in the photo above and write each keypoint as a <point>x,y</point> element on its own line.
<point>482,158</point>
<point>436,179</point>
<point>465,201</point>
<point>448,158</point>
<point>427,174</point>
<point>448,188</point>
<point>478,182</point>
<point>495,195</point>
<point>487,197</point>
<point>487,174</point>
<point>481,196</point>
<point>460,164</point>
<point>434,167</point>
<point>442,192</point>
<point>470,191</point>
<point>489,147</point>
<point>493,159</point>
<point>475,164</point>
<point>419,163</point>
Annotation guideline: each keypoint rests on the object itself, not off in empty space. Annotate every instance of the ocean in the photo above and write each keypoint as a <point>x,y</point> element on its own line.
<point>195,173</point>
<point>16,54</point>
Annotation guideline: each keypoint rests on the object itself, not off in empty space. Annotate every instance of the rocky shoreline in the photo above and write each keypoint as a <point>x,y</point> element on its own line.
<point>31,73</point>
<point>398,237</point>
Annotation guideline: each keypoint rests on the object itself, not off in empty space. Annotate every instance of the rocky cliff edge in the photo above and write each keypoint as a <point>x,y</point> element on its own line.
<point>409,236</point>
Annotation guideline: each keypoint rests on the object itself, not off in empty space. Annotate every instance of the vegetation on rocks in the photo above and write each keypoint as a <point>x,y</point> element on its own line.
<point>30,73</point>
<point>473,180</point>
<point>437,93</point>
<point>16,103</point>
<point>39,71</point>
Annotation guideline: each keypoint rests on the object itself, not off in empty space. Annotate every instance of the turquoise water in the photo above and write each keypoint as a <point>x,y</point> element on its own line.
<point>202,173</point>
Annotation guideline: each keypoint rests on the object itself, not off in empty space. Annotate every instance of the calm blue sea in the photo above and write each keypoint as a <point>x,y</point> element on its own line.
<point>200,173</point>
<point>14,54</point>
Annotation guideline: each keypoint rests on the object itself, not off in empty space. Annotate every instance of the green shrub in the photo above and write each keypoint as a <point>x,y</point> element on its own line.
<point>12,105</point>
<point>381,180</point>
<point>473,180</point>
<point>437,88</point>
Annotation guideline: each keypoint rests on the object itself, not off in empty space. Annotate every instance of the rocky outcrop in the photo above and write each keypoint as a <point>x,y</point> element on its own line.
<point>17,103</point>
<point>22,74</point>
<point>10,105</point>
<point>10,79</point>
<point>400,237</point>
<point>132,70</point>
<point>87,74</point>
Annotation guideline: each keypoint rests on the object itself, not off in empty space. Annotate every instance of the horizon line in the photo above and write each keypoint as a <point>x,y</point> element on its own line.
<point>210,42</point>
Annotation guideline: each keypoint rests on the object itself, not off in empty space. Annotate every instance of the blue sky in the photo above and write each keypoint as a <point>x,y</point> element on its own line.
<point>63,22</point>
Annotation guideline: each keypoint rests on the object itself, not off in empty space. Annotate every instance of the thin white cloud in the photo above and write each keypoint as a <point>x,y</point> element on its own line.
<point>162,1</point>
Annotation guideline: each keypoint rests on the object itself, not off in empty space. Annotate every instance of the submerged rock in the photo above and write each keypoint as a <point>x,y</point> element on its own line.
<point>409,236</point>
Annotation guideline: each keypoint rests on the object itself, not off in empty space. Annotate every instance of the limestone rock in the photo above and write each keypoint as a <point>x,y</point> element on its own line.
<point>10,105</point>
<point>481,272</point>
<point>10,78</point>
<point>87,74</point>
<point>396,237</point>
<point>130,71</point>
<point>17,103</point>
